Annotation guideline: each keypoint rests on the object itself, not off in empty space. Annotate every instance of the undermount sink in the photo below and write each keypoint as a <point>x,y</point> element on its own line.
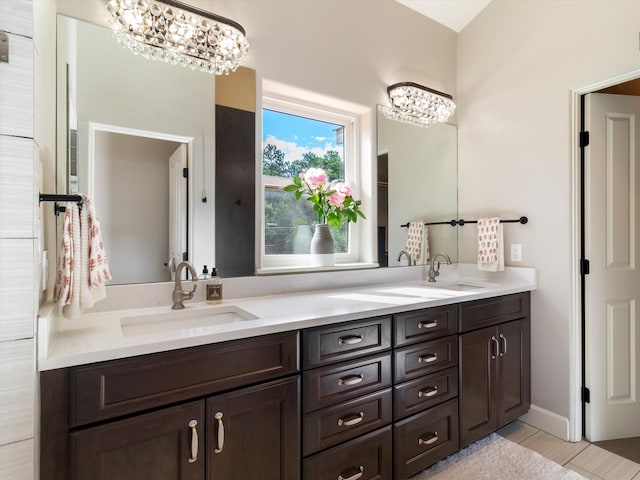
<point>188,319</point>
<point>456,286</point>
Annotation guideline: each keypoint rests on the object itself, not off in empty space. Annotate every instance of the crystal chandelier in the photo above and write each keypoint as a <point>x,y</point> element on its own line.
<point>418,105</point>
<point>180,34</point>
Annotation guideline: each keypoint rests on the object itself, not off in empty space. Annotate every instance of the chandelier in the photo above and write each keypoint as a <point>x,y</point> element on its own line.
<point>179,34</point>
<point>418,105</point>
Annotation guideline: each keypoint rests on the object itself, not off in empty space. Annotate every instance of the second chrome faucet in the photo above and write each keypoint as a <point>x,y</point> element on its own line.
<point>434,269</point>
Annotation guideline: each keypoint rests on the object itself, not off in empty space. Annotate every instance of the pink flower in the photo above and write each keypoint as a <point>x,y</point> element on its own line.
<point>342,191</point>
<point>315,177</point>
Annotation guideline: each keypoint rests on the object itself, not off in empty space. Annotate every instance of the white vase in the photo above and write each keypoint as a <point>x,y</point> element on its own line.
<point>322,247</point>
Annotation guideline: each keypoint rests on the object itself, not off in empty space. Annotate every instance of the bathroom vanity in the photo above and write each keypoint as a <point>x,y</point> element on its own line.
<point>371,391</point>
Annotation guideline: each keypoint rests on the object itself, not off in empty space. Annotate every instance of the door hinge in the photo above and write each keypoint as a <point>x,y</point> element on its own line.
<point>584,267</point>
<point>584,139</point>
<point>185,256</point>
<point>185,172</point>
<point>586,395</point>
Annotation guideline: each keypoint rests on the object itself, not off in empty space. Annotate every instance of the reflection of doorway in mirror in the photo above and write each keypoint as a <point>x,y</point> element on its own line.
<point>136,180</point>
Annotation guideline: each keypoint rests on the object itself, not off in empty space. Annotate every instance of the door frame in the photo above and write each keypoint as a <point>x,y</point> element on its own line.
<point>576,333</point>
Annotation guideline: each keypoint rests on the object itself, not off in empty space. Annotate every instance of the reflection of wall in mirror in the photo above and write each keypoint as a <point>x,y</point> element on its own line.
<point>423,181</point>
<point>130,215</point>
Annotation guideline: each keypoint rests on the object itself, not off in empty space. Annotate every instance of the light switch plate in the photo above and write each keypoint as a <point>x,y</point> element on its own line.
<point>516,252</point>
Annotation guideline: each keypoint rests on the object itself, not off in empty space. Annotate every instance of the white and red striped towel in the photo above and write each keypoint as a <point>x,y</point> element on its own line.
<point>490,245</point>
<point>82,264</point>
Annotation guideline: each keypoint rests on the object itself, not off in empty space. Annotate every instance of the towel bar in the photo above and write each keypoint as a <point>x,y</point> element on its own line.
<point>461,222</point>
<point>59,197</point>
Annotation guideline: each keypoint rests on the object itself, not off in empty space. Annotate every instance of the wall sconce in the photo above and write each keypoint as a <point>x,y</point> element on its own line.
<point>179,34</point>
<point>418,105</point>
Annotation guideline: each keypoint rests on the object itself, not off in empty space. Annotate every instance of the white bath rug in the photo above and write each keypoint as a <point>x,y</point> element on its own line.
<point>495,458</point>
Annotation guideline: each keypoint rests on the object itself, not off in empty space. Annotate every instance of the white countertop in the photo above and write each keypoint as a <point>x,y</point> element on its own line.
<point>100,336</point>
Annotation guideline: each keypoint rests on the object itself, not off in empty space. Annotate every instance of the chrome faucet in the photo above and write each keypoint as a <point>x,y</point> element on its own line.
<point>434,272</point>
<point>180,295</point>
<point>403,252</point>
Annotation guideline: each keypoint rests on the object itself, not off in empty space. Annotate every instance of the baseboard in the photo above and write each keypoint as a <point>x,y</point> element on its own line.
<point>547,421</point>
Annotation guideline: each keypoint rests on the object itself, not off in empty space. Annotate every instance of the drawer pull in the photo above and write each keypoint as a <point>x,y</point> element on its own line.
<point>194,441</point>
<point>220,443</point>
<point>427,324</point>
<point>428,358</point>
<point>431,439</point>
<point>428,392</point>
<point>349,422</point>
<point>350,339</point>
<point>351,380</point>
<point>355,476</point>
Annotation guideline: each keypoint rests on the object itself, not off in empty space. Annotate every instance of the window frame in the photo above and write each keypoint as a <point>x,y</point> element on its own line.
<point>352,167</point>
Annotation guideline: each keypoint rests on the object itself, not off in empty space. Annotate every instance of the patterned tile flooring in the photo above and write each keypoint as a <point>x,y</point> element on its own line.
<point>588,460</point>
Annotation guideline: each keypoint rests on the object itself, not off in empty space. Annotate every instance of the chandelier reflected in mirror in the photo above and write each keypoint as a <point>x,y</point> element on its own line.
<point>180,34</point>
<point>418,105</point>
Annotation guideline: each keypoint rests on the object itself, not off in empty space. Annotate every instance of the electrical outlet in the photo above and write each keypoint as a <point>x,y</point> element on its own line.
<point>516,252</point>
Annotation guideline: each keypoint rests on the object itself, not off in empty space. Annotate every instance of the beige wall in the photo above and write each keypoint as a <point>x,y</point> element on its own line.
<point>518,62</point>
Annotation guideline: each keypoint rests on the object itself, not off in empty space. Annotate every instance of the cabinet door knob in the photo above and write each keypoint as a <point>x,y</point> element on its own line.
<point>220,443</point>
<point>430,439</point>
<point>353,420</point>
<point>504,345</point>
<point>194,441</point>
<point>428,392</point>
<point>355,476</point>
<point>427,324</point>
<point>428,358</point>
<point>351,380</point>
<point>350,339</point>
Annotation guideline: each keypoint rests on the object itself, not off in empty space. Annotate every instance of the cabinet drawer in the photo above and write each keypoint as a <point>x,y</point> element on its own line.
<point>368,456</point>
<point>110,389</point>
<point>491,311</point>
<point>428,357</point>
<point>325,345</point>
<point>425,438</point>
<point>332,425</point>
<point>424,392</point>
<point>337,383</point>
<point>427,324</point>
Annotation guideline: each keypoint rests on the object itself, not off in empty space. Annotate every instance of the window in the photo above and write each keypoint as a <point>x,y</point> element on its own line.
<point>296,137</point>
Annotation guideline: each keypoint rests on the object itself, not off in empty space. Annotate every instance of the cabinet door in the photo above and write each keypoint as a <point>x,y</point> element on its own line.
<point>514,371</point>
<point>478,384</point>
<point>163,445</point>
<point>255,432</point>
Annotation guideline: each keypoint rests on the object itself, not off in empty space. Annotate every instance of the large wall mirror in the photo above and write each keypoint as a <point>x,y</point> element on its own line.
<point>123,120</point>
<point>417,181</point>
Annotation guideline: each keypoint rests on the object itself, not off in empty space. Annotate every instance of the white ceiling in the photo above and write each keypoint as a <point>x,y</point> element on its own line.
<point>455,14</point>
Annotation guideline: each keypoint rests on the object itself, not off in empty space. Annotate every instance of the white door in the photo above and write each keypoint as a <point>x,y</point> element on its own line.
<point>613,286</point>
<point>177,208</point>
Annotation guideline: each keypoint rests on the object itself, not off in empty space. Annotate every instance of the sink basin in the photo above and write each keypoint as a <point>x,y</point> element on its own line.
<point>190,321</point>
<point>456,286</point>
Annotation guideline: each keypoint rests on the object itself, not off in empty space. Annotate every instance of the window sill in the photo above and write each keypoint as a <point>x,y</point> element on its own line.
<point>335,268</point>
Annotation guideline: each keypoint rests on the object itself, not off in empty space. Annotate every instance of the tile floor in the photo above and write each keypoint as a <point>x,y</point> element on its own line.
<point>588,460</point>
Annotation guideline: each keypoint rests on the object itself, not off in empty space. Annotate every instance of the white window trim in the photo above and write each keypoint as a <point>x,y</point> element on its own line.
<point>350,120</point>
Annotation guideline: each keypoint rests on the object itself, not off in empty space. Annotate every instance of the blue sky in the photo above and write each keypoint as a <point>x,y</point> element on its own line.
<point>295,135</point>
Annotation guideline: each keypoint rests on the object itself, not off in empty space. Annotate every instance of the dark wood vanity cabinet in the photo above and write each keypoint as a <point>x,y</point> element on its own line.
<point>347,401</point>
<point>379,398</point>
<point>221,411</point>
<point>495,364</point>
<point>425,427</point>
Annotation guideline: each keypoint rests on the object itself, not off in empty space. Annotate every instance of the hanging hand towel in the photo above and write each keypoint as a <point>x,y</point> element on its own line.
<point>414,240</point>
<point>490,245</point>
<point>82,264</point>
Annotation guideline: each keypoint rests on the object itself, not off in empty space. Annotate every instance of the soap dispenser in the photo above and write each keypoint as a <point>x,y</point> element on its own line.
<point>204,275</point>
<point>214,288</point>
